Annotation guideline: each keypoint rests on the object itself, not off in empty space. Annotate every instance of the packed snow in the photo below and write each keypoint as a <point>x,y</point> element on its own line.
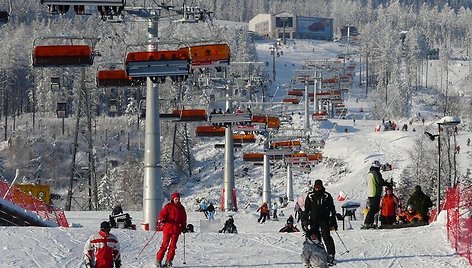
<point>261,245</point>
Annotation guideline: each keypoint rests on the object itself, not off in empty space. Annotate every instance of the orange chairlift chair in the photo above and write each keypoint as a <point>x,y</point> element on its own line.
<point>157,65</point>
<point>209,56</point>
<point>68,55</point>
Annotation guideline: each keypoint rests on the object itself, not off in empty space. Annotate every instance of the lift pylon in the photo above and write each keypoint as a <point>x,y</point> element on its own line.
<point>83,159</point>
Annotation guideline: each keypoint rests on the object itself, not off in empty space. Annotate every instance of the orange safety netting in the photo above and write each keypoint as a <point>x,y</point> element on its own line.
<point>33,204</point>
<point>458,204</point>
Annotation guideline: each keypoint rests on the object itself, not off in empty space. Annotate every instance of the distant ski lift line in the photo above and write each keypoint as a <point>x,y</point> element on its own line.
<point>85,2</point>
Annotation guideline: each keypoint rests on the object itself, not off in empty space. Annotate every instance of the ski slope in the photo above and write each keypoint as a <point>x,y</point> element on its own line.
<point>261,245</point>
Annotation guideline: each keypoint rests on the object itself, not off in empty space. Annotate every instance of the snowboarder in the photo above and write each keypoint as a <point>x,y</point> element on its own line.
<point>264,212</point>
<point>102,250</point>
<point>388,207</point>
<point>375,182</point>
<point>229,226</point>
<point>314,253</point>
<point>421,202</point>
<point>174,219</point>
<point>410,215</point>
<point>320,213</point>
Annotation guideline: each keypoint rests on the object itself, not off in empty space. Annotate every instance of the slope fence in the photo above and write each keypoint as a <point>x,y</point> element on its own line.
<point>458,205</point>
<point>33,204</point>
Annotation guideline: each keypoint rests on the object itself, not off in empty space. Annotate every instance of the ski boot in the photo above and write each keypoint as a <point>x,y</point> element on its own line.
<point>331,260</point>
<point>158,264</point>
<point>168,264</point>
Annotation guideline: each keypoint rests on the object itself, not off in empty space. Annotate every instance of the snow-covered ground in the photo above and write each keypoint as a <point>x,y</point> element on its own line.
<point>261,245</point>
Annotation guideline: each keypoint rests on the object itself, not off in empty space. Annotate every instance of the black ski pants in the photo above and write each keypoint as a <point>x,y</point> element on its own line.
<point>325,233</point>
<point>374,203</point>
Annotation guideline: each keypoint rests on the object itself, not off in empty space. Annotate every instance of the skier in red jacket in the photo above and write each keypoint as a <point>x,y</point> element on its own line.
<point>388,207</point>
<point>102,250</point>
<point>173,218</point>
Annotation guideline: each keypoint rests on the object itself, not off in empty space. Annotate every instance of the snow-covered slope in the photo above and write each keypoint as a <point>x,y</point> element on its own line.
<point>261,245</point>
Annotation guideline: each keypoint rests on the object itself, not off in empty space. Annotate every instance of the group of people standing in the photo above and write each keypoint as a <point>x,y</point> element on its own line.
<point>388,206</point>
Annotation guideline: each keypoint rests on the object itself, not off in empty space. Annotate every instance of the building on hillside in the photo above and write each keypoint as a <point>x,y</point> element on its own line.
<point>290,26</point>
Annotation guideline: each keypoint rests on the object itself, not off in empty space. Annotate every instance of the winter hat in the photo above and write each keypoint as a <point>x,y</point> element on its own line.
<point>311,232</point>
<point>376,164</point>
<point>105,225</point>
<point>417,188</point>
<point>318,183</point>
<point>174,195</point>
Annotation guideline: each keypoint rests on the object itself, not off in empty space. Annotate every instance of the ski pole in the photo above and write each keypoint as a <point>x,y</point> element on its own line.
<point>342,242</point>
<point>147,243</point>
<point>184,249</point>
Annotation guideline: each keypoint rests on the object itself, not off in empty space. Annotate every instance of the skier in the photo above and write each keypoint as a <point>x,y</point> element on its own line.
<point>421,202</point>
<point>264,210</point>
<point>320,213</point>
<point>388,207</point>
<point>229,226</point>
<point>314,254</point>
<point>274,211</point>
<point>174,220</point>
<point>375,182</point>
<point>297,210</point>
<point>211,211</point>
<point>102,250</point>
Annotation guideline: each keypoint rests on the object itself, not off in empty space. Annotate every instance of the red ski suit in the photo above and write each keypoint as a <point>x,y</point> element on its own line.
<point>101,250</point>
<point>174,218</point>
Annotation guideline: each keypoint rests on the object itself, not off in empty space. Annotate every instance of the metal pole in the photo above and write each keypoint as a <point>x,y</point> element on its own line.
<point>229,170</point>
<point>152,189</point>
<point>289,183</point>
<point>274,50</point>
<point>438,197</point>
<point>266,182</point>
<point>307,106</point>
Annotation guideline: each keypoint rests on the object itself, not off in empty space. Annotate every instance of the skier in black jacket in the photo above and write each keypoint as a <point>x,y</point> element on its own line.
<point>320,213</point>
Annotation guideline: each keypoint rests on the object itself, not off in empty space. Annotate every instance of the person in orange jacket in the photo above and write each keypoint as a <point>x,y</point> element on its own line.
<point>388,207</point>
<point>264,210</point>
<point>410,215</point>
<point>173,218</point>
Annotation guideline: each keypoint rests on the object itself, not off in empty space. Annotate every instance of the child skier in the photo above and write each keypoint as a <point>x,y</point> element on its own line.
<point>314,254</point>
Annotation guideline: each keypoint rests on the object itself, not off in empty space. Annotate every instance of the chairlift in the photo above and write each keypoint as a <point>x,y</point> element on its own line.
<point>253,157</point>
<point>4,16</point>
<point>55,83</point>
<point>191,115</point>
<point>57,55</point>
<point>5,13</point>
<point>209,131</point>
<point>116,77</point>
<point>157,65</point>
<point>113,106</point>
<point>142,108</point>
<point>61,110</point>
<point>244,138</point>
<point>291,100</point>
<point>209,56</point>
<point>107,8</point>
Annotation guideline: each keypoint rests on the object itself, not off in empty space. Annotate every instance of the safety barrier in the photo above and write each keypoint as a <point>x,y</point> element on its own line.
<point>33,204</point>
<point>458,205</point>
